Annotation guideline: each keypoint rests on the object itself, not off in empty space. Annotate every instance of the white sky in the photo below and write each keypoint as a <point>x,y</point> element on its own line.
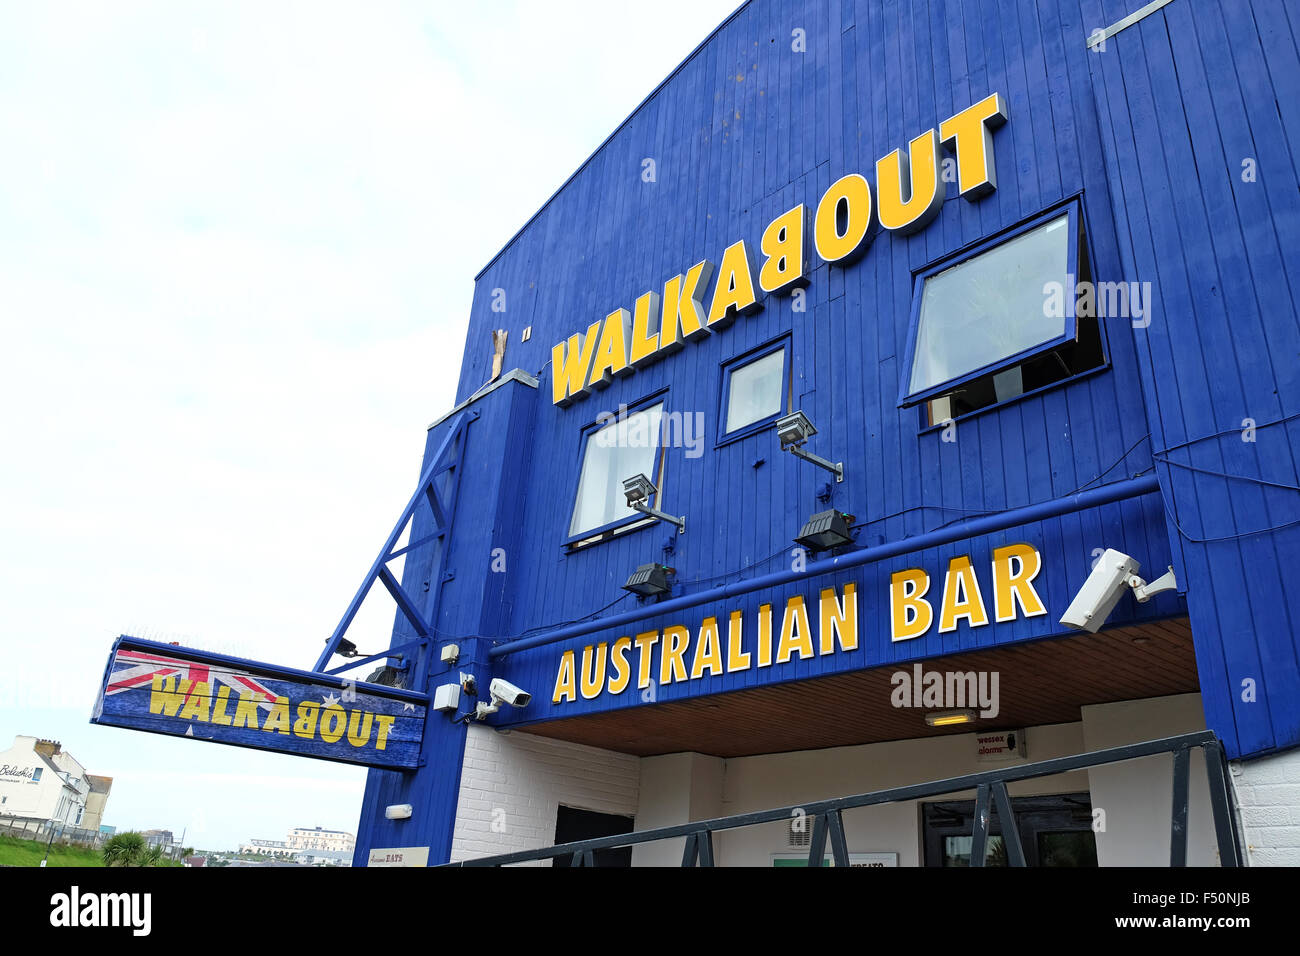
<point>237,249</point>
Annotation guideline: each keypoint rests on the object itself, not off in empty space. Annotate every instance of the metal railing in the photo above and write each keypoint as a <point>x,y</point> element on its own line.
<point>990,795</point>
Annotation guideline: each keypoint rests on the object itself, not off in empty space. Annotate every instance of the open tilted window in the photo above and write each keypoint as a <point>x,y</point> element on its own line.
<point>1002,320</point>
<point>614,451</point>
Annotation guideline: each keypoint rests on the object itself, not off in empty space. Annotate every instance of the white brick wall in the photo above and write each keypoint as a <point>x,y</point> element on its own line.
<point>512,785</point>
<point>1268,797</point>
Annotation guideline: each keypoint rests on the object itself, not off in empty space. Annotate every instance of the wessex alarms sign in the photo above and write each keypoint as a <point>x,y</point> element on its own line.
<point>181,691</point>
<point>909,193</point>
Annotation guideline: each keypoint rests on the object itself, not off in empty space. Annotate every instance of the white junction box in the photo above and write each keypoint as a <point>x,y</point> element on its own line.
<point>446,697</point>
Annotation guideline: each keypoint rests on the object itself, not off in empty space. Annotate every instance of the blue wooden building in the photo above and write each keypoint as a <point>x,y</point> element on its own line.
<point>1029,270</point>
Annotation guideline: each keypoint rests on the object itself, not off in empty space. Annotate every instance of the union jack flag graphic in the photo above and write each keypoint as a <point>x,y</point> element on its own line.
<point>133,668</point>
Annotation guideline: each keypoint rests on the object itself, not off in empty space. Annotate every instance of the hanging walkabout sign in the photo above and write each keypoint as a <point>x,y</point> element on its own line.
<point>166,689</point>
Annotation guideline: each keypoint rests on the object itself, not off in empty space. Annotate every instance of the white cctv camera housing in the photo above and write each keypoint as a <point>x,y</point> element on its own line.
<point>506,692</point>
<point>1108,582</point>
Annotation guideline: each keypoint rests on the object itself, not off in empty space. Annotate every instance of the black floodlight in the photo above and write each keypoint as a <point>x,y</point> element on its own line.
<point>793,431</point>
<point>826,530</point>
<point>346,648</point>
<point>638,490</point>
<point>387,676</point>
<point>650,580</point>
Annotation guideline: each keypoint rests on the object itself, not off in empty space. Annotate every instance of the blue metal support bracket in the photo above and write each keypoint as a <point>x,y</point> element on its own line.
<point>442,503</point>
<point>394,651</point>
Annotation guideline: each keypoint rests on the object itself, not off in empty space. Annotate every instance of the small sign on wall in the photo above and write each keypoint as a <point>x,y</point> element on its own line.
<point>399,856</point>
<point>1000,745</point>
<point>855,859</point>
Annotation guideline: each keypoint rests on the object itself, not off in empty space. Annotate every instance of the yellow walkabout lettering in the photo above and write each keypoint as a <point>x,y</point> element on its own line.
<point>219,715</point>
<point>684,318</point>
<point>645,331</point>
<point>569,366</point>
<point>611,351</point>
<point>278,721</point>
<point>308,715</point>
<point>971,136</point>
<point>845,220</point>
<point>165,697</point>
<point>333,722</point>
<point>919,169</point>
<point>734,294</point>
<point>783,246</point>
<point>359,723</point>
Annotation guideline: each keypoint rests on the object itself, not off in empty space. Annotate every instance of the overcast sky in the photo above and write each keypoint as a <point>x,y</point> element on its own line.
<point>237,250</point>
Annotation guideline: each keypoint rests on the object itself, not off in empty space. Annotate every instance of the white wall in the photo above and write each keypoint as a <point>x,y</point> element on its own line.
<point>1137,795</point>
<point>1268,793</point>
<point>766,782</point>
<point>676,788</point>
<point>512,786</point>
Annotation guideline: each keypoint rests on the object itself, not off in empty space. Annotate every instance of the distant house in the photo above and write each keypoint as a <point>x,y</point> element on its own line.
<point>41,781</point>
<point>95,801</point>
<point>162,838</point>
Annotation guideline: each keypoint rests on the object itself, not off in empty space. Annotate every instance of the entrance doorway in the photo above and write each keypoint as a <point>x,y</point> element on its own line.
<point>1055,830</point>
<point>572,825</point>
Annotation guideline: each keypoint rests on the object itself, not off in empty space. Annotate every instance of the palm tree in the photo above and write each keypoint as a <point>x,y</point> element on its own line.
<point>130,849</point>
<point>124,849</point>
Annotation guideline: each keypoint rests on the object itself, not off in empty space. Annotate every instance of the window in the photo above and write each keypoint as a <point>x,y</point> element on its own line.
<point>754,388</point>
<point>36,775</point>
<point>1002,321</point>
<point>618,450</point>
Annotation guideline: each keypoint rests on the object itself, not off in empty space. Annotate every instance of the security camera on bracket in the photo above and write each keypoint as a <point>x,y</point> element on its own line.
<point>502,692</point>
<point>1112,577</point>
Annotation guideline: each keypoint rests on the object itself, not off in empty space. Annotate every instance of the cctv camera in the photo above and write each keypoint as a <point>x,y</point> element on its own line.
<point>503,690</point>
<point>1101,592</point>
<point>1114,574</point>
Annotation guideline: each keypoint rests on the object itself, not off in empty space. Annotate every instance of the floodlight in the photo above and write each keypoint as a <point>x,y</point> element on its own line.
<point>638,490</point>
<point>793,431</point>
<point>650,580</point>
<point>826,530</point>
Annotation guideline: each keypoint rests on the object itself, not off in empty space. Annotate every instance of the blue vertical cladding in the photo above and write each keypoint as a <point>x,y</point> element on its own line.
<point>1201,107</point>
<point>466,572</point>
<point>1150,136</point>
<point>744,130</point>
